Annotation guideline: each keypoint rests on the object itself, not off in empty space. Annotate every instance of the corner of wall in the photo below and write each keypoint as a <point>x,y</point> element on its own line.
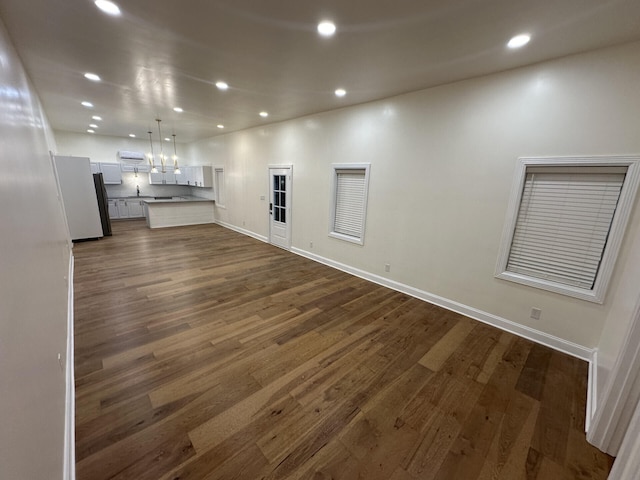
<point>69,462</point>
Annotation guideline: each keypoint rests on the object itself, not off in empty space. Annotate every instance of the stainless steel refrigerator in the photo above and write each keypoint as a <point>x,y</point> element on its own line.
<point>103,204</point>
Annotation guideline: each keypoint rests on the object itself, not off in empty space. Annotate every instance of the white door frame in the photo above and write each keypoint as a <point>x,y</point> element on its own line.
<point>617,417</point>
<point>289,197</point>
<point>627,463</point>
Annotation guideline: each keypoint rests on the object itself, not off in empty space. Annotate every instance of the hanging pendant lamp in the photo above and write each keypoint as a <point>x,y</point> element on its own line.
<point>176,168</point>
<point>150,155</point>
<point>163,160</point>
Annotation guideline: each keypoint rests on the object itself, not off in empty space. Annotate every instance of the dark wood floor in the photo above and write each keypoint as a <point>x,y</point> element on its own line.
<point>205,354</point>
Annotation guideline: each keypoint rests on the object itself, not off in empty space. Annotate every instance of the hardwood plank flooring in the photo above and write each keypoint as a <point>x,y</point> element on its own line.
<point>205,354</point>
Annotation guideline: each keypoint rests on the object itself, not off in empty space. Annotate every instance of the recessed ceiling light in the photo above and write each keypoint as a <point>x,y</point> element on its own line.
<point>167,139</point>
<point>91,131</point>
<point>519,41</point>
<point>87,104</point>
<point>178,109</point>
<point>132,135</point>
<point>220,126</point>
<point>340,92</point>
<point>97,118</point>
<point>326,28</point>
<point>92,76</point>
<point>222,85</point>
<point>93,125</point>
<point>108,7</point>
<point>264,114</point>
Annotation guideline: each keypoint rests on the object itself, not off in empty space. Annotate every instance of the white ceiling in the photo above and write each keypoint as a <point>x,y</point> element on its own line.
<point>160,54</point>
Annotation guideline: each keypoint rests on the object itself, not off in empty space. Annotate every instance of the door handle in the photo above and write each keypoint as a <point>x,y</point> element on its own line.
<point>271,208</point>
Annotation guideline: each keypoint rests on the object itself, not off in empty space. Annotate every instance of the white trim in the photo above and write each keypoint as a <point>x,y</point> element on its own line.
<point>621,393</point>
<point>529,333</point>
<point>551,341</point>
<point>346,238</point>
<point>592,389</point>
<point>334,191</point>
<point>627,196</point>
<point>627,463</point>
<point>248,233</point>
<point>69,463</point>
<point>280,165</point>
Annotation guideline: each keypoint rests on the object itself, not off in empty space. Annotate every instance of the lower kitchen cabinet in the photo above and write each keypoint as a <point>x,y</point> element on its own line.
<point>135,208</point>
<point>123,208</point>
<point>113,208</point>
<point>126,208</point>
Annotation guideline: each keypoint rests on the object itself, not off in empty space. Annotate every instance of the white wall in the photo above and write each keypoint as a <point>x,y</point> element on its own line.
<point>34,265</point>
<point>103,148</point>
<point>442,165</point>
<point>100,148</point>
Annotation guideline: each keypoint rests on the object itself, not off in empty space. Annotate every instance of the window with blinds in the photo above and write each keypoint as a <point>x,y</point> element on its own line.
<point>349,202</point>
<point>565,223</point>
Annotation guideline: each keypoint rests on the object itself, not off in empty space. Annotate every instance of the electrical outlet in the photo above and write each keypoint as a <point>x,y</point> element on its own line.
<point>261,197</point>
<point>535,313</point>
<point>310,244</point>
<point>243,223</point>
<point>387,267</point>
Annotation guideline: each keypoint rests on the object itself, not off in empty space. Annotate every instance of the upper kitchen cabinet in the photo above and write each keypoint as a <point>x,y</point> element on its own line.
<point>199,176</point>
<point>111,173</point>
<point>141,168</point>
<point>159,178</point>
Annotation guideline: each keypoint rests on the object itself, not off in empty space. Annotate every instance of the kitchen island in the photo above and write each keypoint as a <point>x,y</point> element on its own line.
<point>177,211</point>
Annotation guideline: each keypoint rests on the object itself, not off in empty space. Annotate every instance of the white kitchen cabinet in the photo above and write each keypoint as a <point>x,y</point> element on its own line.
<point>126,208</point>
<point>111,173</point>
<point>189,175</point>
<point>199,176</point>
<point>169,177</point>
<point>181,178</point>
<point>159,178</point>
<point>113,208</point>
<point>156,178</point>
<point>140,168</point>
<point>135,208</point>
<point>123,208</point>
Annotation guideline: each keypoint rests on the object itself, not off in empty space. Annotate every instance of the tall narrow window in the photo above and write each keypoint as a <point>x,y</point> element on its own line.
<point>220,196</point>
<point>566,225</point>
<point>349,202</point>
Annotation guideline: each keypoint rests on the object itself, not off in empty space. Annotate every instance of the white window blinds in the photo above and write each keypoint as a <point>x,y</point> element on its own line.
<point>350,202</point>
<point>563,223</point>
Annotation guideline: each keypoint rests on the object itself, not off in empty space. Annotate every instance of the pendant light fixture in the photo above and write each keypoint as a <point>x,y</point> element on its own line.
<point>176,168</point>
<point>163,160</point>
<point>150,155</point>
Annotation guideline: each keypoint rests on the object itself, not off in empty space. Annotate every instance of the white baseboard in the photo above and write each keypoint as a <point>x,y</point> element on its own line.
<point>248,233</point>
<point>551,341</point>
<point>529,333</point>
<point>69,467</point>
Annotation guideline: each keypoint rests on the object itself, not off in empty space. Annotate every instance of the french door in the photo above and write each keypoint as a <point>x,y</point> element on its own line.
<point>280,206</point>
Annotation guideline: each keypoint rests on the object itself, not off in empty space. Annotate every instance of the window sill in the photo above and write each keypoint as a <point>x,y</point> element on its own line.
<point>596,295</point>
<point>347,238</point>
